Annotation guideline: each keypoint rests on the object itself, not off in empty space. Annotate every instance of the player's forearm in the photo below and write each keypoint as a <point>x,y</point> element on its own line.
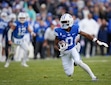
<point>88,36</point>
<point>94,39</point>
<point>56,47</point>
<point>10,34</point>
<point>56,44</point>
<point>31,32</point>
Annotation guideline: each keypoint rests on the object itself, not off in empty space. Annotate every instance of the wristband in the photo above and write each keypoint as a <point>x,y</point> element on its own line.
<point>94,39</point>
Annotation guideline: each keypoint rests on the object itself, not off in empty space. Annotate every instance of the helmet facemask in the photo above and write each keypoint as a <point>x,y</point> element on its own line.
<point>22,19</point>
<point>65,24</point>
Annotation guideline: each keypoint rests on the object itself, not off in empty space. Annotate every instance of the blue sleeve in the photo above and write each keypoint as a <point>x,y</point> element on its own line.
<point>27,23</point>
<point>4,32</point>
<point>78,29</point>
<point>56,31</point>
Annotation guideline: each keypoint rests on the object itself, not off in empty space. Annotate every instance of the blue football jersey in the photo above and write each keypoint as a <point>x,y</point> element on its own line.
<point>68,37</point>
<point>20,30</point>
<point>3,25</point>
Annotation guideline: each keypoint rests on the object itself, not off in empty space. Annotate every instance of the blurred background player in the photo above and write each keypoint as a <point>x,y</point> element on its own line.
<point>28,38</point>
<point>19,29</point>
<point>65,38</point>
<point>6,46</point>
<point>3,25</point>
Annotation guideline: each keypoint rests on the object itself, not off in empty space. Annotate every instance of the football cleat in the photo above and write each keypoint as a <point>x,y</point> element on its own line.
<point>95,79</point>
<point>75,64</point>
<point>25,65</point>
<point>6,65</point>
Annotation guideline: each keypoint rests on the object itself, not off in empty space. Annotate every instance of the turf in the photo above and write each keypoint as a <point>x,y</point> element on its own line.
<point>50,72</point>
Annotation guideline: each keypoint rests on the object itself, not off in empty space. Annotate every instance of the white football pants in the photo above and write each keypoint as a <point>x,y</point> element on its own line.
<point>20,51</point>
<point>68,59</point>
<point>23,45</point>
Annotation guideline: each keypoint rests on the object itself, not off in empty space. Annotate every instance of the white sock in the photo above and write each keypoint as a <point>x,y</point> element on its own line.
<point>87,69</point>
<point>25,57</point>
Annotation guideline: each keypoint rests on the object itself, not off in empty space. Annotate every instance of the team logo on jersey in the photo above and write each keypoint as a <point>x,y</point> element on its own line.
<point>68,34</point>
<point>63,35</point>
<point>73,33</point>
<point>60,34</point>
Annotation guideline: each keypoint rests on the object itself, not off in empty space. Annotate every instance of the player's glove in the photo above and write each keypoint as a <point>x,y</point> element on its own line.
<point>62,46</point>
<point>102,43</point>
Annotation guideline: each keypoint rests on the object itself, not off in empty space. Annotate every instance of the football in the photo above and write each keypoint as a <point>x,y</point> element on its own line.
<point>62,45</point>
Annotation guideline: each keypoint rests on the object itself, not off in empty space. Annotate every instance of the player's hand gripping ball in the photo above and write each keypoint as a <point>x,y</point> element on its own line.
<point>62,46</point>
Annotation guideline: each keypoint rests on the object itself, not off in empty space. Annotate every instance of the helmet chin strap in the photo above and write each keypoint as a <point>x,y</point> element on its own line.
<point>65,26</point>
<point>68,29</point>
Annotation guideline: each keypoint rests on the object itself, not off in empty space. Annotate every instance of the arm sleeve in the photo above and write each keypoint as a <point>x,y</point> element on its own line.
<point>9,34</point>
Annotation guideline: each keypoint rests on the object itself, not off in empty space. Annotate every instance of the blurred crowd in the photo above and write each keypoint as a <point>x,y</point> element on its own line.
<point>93,17</point>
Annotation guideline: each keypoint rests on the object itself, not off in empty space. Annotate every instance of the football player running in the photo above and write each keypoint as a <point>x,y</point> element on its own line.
<point>65,38</point>
<point>3,25</point>
<point>16,33</point>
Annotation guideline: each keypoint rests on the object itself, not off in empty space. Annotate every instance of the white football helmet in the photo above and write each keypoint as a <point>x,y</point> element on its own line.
<point>66,21</point>
<point>27,17</point>
<point>4,16</point>
<point>22,17</point>
<point>12,17</point>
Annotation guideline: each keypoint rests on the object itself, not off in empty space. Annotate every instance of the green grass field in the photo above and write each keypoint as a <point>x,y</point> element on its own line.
<point>50,72</point>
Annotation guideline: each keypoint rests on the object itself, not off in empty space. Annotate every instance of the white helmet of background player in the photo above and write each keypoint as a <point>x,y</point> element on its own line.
<point>27,17</point>
<point>66,21</point>
<point>12,17</point>
<point>4,16</point>
<point>22,17</point>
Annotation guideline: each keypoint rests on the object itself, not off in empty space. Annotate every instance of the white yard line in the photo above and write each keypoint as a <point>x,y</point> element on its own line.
<point>97,60</point>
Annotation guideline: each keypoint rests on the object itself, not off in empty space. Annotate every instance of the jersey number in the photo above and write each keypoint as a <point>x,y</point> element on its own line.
<point>21,31</point>
<point>70,41</point>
